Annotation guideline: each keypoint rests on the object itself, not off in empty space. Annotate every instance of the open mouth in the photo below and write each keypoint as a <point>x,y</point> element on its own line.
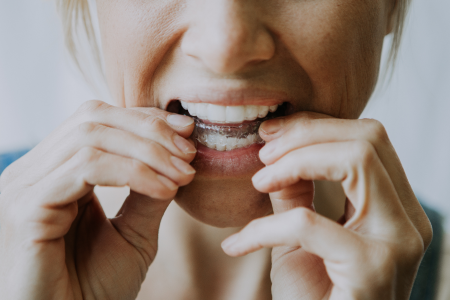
<point>226,128</point>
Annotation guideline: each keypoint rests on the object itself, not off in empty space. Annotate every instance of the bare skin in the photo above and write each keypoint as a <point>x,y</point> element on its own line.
<point>319,58</point>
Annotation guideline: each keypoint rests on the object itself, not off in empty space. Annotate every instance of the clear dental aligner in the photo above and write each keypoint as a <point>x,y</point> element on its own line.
<point>227,137</point>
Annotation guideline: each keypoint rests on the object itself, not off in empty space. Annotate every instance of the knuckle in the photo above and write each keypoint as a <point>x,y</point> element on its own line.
<point>304,115</point>
<point>153,149</point>
<point>5,177</point>
<point>303,217</point>
<point>415,247</point>
<point>427,235</point>
<point>3,204</point>
<point>89,110</point>
<point>363,153</point>
<point>384,259</point>
<point>11,210</point>
<point>88,154</point>
<point>305,128</point>
<point>11,173</point>
<point>155,123</point>
<point>92,105</point>
<point>138,167</point>
<point>376,130</point>
<point>87,128</point>
<point>162,193</point>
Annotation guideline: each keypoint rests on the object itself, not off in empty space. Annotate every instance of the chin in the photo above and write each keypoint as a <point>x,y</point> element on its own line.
<point>223,203</point>
<point>222,193</point>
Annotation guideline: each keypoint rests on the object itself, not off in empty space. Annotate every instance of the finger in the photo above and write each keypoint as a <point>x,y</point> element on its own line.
<point>149,152</point>
<point>355,164</point>
<point>277,127</point>
<point>308,128</point>
<point>75,179</point>
<point>299,227</point>
<point>183,125</point>
<point>138,221</point>
<point>300,194</point>
<point>150,123</point>
<point>139,120</point>
<point>90,167</point>
<point>117,142</point>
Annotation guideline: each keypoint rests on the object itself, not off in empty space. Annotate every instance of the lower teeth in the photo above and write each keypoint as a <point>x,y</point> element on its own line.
<point>227,137</point>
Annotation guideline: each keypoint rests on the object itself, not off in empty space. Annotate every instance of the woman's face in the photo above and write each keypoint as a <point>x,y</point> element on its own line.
<point>313,55</point>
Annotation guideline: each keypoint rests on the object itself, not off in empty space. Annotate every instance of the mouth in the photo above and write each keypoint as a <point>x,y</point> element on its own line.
<point>227,128</point>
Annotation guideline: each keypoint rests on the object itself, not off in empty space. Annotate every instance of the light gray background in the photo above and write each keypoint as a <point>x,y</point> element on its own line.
<point>39,88</point>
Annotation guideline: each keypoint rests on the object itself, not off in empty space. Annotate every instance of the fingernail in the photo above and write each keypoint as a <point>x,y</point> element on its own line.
<point>268,149</point>
<point>272,126</point>
<point>184,145</point>
<point>167,182</point>
<point>182,166</point>
<point>228,242</point>
<point>179,120</point>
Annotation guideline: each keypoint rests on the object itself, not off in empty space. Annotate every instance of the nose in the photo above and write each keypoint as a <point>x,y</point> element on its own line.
<point>227,35</point>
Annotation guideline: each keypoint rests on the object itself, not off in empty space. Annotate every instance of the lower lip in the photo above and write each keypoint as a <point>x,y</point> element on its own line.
<point>242,162</point>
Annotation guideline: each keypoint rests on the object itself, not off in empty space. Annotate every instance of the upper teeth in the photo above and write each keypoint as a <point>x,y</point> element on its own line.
<point>227,114</point>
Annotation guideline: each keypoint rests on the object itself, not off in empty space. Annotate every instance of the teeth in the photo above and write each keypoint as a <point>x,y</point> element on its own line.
<point>235,114</point>
<point>202,110</point>
<point>263,111</point>
<point>273,108</point>
<point>227,114</point>
<point>251,112</point>
<point>216,113</point>
<point>192,109</point>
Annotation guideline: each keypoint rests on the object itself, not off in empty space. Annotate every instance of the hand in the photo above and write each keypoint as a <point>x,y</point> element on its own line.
<point>374,251</point>
<point>55,240</point>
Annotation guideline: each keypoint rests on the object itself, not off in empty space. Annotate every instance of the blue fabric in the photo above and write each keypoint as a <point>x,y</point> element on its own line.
<point>426,280</point>
<point>425,286</point>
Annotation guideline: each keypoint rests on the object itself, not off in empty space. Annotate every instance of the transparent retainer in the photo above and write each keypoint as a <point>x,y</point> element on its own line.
<point>227,137</point>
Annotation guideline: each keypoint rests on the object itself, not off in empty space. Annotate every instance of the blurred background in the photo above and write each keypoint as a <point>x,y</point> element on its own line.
<point>40,88</point>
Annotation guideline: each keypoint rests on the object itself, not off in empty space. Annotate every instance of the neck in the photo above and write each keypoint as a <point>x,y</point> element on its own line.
<point>191,262</point>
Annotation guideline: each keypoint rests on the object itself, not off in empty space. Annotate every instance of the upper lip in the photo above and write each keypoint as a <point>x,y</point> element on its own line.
<point>230,97</point>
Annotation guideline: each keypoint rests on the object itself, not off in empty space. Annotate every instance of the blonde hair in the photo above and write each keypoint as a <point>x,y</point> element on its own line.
<point>77,25</point>
<point>81,39</point>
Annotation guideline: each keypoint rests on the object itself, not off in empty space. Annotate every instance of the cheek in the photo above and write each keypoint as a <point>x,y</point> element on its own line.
<point>135,37</point>
<point>338,44</point>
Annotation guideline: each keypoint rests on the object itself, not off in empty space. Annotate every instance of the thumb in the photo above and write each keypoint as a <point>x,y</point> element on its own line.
<point>300,194</point>
<point>138,222</point>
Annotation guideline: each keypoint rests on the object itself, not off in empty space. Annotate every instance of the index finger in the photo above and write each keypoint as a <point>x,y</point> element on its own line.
<point>181,124</point>
<point>308,128</point>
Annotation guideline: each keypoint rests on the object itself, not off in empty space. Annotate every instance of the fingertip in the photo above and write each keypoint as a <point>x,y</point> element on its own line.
<point>261,181</point>
<point>182,124</point>
<point>186,146</point>
<point>182,166</point>
<point>272,128</point>
<point>167,182</point>
<point>166,190</point>
<point>267,153</point>
<point>230,241</point>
